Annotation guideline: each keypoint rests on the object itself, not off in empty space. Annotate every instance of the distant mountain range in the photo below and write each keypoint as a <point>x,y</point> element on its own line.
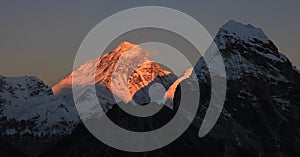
<point>260,115</point>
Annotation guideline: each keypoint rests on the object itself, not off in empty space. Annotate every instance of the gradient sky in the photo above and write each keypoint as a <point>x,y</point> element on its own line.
<point>41,38</point>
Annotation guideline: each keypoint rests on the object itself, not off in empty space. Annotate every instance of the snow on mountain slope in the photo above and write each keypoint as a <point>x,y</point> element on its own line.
<point>127,72</point>
<point>28,107</point>
<point>244,32</point>
<point>246,50</point>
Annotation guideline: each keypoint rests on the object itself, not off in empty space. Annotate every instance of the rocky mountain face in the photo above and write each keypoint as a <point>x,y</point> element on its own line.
<point>260,116</point>
<point>263,89</point>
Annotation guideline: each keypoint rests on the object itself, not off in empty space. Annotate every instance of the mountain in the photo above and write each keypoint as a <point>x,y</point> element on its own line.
<point>29,108</point>
<point>247,50</point>
<point>263,88</point>
<point>260,116</point>
<point>133,73</point>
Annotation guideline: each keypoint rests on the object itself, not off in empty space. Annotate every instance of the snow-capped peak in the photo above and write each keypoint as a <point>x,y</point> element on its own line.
<point>127,72</point>
<point>246,50</point>
<point>246,32</point>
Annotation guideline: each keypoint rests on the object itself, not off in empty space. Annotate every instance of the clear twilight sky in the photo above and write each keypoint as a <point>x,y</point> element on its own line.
<point>41,38</point>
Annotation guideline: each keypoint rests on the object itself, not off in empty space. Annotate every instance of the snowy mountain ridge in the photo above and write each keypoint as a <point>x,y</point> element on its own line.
<point>244,32</point>
<point>28,107</point>
<point>245,50</point>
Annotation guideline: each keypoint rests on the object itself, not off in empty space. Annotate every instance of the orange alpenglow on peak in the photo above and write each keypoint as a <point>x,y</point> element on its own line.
<point>113,68</point>
<point>125,46</point>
